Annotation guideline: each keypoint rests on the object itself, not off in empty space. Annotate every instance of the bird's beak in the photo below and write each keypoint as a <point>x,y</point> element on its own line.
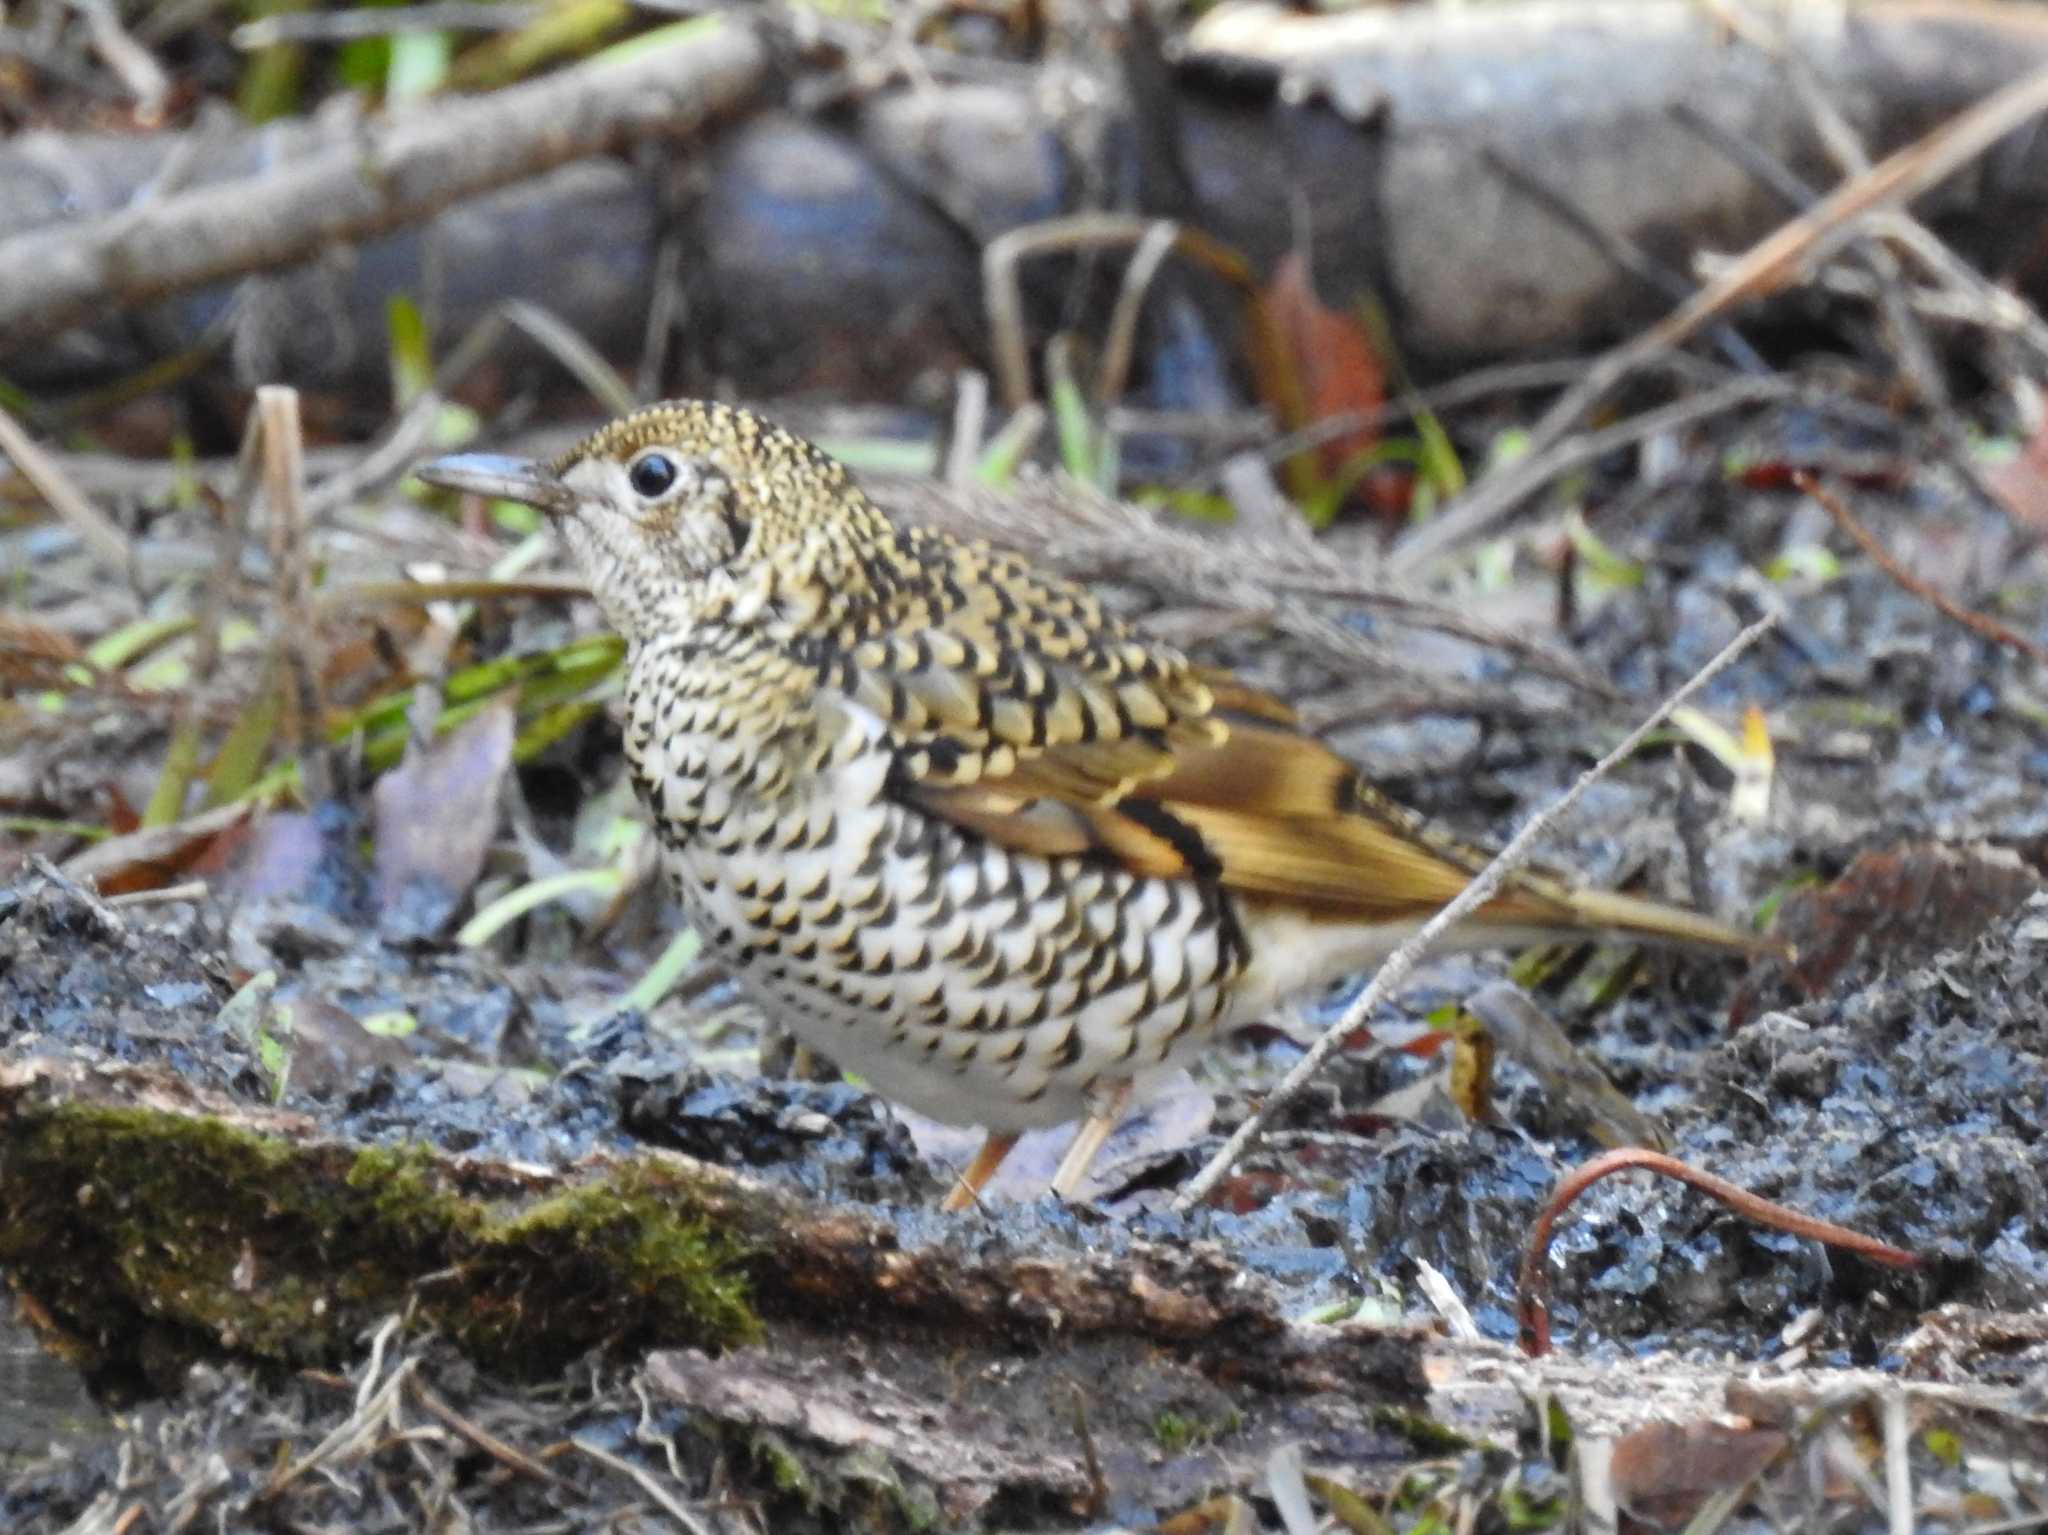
<point>502,479</point>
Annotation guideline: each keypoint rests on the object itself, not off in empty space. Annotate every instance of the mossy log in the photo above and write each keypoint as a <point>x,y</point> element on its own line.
<point>149,1223</point>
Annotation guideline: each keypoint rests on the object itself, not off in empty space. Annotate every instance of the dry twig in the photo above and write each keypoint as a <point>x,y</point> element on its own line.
<point>1482,889</point>
<point>65,499</point>
<point>1003,296</point>
<point>384,21</point>
<point>1980,624</point>
<point>140,74</point>
<point>506,1454</point>
<point>667,1500</point>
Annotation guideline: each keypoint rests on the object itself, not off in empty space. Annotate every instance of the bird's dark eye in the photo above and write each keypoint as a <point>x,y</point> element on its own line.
<point>652,474</point>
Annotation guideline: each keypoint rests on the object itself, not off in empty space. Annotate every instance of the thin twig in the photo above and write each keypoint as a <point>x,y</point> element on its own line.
<point>1839,138</point>
<point>181,759</point>
<point>1534,1310</point>
<point>1990,304</point>
<point>191,890</point>
<point>42,471</point>
<point>1898,1469</point>
<point>140,74</point>
<point>970,425</point>
<point>1745,155</point>
<point>1620,252</point>
<point>375,1411</point>
<point>402,442</point>
<point>1482,889</point>
<point>483,1438</point>
<point>670,1504</point>
<point>1504,490</point>
<point>1980,624</point>
<point>1120,336</point>
<point>1098,1485</point>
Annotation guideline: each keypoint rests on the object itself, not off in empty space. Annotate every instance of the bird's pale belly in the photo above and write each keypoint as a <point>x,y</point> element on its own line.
<point>976,985</point>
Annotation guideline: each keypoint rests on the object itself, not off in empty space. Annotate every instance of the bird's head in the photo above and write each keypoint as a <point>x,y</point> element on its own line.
<point>689,512</point>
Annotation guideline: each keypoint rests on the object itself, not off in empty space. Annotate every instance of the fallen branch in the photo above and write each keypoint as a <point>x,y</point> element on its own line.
<point>392,174</point>
<point>526,1265</point>
<point>1533,1310</point>
<point>1482,889</point>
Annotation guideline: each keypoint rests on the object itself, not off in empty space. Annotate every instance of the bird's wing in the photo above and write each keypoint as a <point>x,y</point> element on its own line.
<point>1020,711</point>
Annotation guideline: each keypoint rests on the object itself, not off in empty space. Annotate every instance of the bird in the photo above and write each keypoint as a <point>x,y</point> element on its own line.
<point>957,826</point>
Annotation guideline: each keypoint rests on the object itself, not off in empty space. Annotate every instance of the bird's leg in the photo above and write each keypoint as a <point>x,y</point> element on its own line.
<point>1095,1129</point>
<point>967,1188</point>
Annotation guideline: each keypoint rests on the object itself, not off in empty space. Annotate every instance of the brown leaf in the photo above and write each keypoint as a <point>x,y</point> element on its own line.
<point>148,858</point>
<point>1894,907</point>
<point>1663,1472</point>
<point>1315,363</point>
<point>436,813</point>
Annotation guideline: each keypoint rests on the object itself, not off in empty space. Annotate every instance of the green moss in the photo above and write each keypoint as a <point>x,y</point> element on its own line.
<point>404,1191</point>
<point>640,1269</point>
<point>1425,1432</point>
<point>858,1489</point>
<point>146,1231</point>
<point>787,1473</point>
<point>1176,1432</point>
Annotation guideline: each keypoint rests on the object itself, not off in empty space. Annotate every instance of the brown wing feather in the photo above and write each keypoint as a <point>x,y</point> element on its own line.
<point>1022,712</point>
<point>1012,725</point>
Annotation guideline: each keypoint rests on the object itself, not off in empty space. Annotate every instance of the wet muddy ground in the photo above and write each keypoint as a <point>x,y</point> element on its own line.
<point>1906,1095</point>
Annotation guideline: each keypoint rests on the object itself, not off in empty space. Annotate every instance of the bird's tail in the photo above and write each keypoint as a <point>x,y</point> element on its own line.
<point>1628,916</point>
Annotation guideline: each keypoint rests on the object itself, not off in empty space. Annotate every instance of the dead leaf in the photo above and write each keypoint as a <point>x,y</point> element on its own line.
<point>1315,363</point>
<point>273,856</point>
<point>1896,907</point>
<point>1570,1080</point>
<point>1663,1472</point>
<point>153,856</point>
<point>436,814</point>
<point>33,655</point>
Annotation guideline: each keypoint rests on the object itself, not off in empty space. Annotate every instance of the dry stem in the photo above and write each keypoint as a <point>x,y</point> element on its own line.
<point>284,491</point>
<point>43,471</point>
<point>1977,623</point>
